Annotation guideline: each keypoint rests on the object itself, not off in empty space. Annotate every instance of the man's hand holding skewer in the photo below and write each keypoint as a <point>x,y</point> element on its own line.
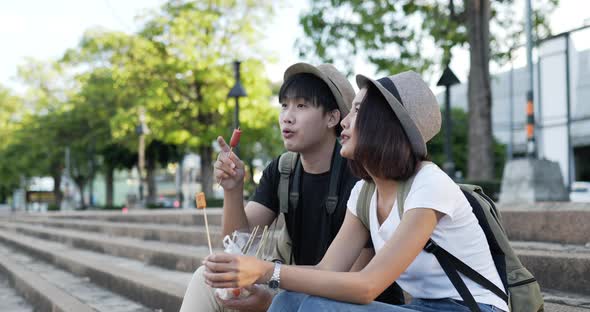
<point>228,169</point>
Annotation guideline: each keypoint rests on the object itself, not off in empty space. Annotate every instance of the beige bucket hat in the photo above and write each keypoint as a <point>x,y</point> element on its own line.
<point>336,81</point>
<point>413,103</point>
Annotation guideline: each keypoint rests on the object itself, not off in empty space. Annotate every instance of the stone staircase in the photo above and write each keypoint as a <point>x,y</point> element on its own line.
<point>140,261</point>
<point>553,241</point>
<point>144,259</point>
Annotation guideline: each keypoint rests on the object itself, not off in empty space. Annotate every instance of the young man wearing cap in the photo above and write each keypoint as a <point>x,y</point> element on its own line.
<point>313,102</point>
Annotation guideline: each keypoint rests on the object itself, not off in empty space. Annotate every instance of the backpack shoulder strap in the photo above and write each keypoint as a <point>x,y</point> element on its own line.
<point>335,173</point>
<point>364,202</point>
<point>287,162</point>
<point>403,189</point>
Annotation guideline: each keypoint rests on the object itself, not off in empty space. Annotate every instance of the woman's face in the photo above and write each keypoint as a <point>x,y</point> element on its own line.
<point>348,135</point>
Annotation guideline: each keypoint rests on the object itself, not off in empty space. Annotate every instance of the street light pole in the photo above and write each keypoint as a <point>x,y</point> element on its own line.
<point>448,79</point>
<point>530,127</point>
<point>236,92</point>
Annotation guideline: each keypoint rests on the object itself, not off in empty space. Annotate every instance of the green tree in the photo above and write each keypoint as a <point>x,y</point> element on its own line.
<point>196,43</point>
<point>11,114</point>
<point>394,35</point>
<point>98,100</point>
<point>179,68</point>
<point>459,143</point>
<point>39,146</point>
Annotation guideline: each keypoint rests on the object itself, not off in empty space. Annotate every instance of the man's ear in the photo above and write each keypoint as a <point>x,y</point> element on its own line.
<point>334,118</point>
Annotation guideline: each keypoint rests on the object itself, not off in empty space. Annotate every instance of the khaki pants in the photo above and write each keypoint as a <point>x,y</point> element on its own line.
<point>199,297</point>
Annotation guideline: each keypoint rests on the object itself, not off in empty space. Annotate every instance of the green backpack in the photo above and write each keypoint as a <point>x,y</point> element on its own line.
<point>524,293</point>
<point>289,164</point>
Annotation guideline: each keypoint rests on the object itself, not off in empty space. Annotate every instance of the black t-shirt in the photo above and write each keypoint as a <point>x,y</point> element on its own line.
<point>311,228</point>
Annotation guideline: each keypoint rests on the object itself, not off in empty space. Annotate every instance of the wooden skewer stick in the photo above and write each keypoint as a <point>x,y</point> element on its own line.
<point>253,238</point>
<point>262,240</point>
<point>247,242</point>
<point>202,204</point>
<point>271,233</point>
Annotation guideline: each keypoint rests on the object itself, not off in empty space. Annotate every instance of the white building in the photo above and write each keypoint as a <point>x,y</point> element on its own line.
<point>509,89</point>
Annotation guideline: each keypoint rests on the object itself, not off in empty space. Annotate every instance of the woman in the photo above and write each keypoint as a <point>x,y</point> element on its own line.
<point>385,137</point>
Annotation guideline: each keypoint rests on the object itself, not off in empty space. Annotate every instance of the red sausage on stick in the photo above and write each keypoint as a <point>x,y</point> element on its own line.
<point>235,138</point>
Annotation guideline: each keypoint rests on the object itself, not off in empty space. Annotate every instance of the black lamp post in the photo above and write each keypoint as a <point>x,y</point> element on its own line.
<point>236,92</point>
<point>448,79</point>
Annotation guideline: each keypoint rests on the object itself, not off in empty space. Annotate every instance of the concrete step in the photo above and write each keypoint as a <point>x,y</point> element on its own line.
<point>152,286</point>
<point>167,255</point>
<point>557,266</point>
<point>554,307</point>
<point>48,288</point>
<point>92,265</point>
<point>194,235</point>
<point>565,224</point>
<point>564,299</point>
<point>159,216</point>
<point>10,300</point>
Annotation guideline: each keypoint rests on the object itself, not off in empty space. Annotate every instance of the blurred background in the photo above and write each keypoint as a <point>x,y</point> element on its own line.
<point>112,104</point>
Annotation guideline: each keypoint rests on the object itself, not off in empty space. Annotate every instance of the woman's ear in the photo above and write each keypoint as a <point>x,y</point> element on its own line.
<point>334,118</point>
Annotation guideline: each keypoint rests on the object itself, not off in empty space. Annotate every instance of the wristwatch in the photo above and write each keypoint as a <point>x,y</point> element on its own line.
<point>275,280</point>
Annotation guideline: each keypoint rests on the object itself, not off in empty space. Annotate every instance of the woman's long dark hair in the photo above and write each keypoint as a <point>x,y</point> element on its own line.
<point>382,146</point>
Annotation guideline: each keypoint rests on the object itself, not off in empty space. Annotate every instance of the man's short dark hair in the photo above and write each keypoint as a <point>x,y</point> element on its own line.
<point>313,90</point>
<point>382,146</point>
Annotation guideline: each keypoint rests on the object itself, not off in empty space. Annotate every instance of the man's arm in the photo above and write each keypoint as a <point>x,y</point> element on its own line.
<point>238,217</point>
<point>229,173</point>
<point>364,258</point>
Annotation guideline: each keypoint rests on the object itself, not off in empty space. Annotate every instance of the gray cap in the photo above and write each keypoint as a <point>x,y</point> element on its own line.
<point>413,103</point>
<point>336,81</point>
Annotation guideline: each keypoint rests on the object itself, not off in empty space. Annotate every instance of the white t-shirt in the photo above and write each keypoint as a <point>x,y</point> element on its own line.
<point>458,232</point>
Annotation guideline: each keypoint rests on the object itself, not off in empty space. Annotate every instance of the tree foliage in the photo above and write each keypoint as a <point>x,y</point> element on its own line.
<point>178,67</point>
<point>398,35</point>
<point>459,146</point>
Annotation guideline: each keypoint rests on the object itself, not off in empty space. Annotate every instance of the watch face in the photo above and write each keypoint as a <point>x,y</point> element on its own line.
<point>273,284</point>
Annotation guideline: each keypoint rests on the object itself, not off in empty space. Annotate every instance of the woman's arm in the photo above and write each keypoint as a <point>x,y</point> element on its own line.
<point>358,287</point>
<point>387,265</point>
<point>345,250</point>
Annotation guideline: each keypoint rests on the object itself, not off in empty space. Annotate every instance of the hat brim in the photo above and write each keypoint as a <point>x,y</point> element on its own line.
<point>412,131</point>
<point>304,68</point>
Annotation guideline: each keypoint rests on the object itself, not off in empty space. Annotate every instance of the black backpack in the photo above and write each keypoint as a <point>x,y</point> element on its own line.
<point>289,164</point>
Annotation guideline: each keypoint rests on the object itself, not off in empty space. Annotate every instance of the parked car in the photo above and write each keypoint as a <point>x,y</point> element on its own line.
<point>168,201</point>
<point>580,192</point>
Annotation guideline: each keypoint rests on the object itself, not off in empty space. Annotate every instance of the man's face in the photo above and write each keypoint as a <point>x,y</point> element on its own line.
<point>303,125</point>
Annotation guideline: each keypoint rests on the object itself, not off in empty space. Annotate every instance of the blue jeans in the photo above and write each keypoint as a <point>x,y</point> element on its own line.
<point>297,302</point>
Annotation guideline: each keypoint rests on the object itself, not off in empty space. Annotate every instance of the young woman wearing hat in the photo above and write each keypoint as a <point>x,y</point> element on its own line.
<point>385,137</point>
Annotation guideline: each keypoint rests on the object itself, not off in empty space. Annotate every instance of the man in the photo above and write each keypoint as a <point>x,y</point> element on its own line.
<point>313,102</point>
